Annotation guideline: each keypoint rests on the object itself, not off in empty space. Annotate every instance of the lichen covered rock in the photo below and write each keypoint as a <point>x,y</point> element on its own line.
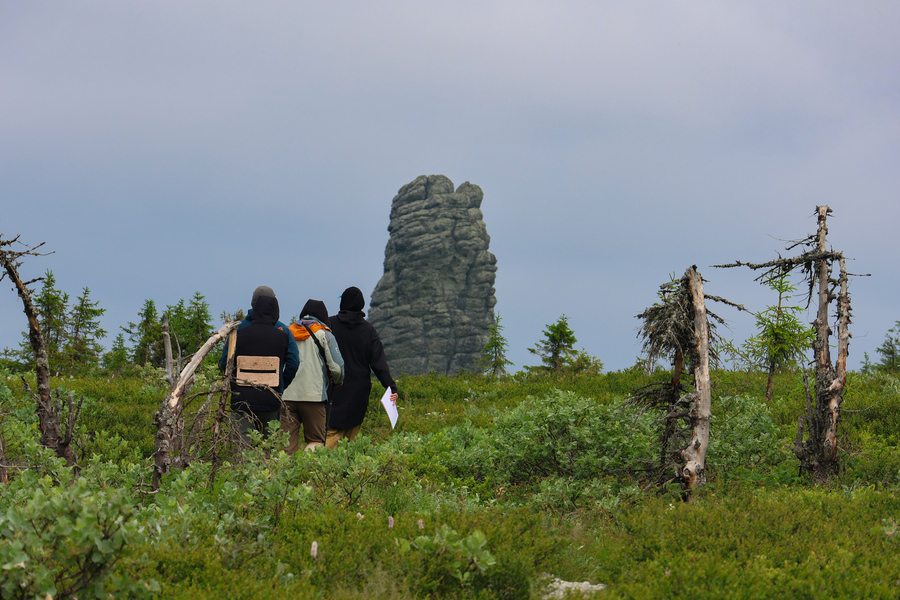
<point>434,303</point>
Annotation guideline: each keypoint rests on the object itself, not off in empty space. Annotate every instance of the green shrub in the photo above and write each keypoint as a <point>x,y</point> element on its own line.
<point>64,540</point>
<point>743,438</point>
<point>564,435</point>
<point>770,543</point>
<point>349,474</point>
<point>447,556</point>
<point>551,478</point>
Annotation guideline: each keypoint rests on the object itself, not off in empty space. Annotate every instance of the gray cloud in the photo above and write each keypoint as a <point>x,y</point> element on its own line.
<point>164,148</point>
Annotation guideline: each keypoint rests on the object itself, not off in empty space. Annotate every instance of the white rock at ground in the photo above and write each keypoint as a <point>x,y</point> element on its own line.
<point>558,588</point>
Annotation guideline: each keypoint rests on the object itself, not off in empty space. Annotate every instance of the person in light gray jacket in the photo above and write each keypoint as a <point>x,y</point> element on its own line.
<point>321,368</point>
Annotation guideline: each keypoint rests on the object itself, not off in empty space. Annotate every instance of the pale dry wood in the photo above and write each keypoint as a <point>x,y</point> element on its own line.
<point>694,455</point>
<point>177,395</point>
<point>167,345</point>
<point>818,454</point>
<point>836,388</point>
<point>168,418</point>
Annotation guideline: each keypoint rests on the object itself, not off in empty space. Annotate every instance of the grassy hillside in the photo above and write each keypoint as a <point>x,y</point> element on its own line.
<point>486,489</point>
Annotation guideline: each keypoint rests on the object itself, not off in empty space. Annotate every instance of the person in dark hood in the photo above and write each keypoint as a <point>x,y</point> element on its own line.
<point>321,368</point>
<point>260,350</point>
<point>291,361</point>
<point>363,354</point>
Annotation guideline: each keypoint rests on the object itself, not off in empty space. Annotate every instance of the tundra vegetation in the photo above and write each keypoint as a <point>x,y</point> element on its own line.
<point>491,485</point>
<point>511,478</point>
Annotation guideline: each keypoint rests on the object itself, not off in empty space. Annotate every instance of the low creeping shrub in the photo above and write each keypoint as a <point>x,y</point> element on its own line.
<point>446,556</point>
<point>64,540</point>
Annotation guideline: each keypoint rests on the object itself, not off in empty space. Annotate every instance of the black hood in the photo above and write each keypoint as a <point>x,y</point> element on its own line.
<point>316,308</point>
<point>266,311</point>
<point>352,299</point>
<point>351,318</point>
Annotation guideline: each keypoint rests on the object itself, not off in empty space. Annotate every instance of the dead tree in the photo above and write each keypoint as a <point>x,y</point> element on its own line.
<point>680,326</point>
<point>818,453</point>
<point>48,413</point>
<point>168,419</point>
<point>694,454</point>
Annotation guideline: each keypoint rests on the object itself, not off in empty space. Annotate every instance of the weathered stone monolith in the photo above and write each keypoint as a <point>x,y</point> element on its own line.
<point>435,302</point>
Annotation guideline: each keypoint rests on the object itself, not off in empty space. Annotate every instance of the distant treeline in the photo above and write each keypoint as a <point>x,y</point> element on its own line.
<point>72,333</point>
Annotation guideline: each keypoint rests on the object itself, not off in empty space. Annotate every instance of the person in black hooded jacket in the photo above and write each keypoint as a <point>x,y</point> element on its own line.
<point>260,352</point>
<point>363,354</point>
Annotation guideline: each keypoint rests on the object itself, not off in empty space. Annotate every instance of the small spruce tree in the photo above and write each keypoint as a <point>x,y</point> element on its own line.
<point>52,305</point>
<point>890,350</point>
<point>146,337</point>
<point>179,327</point>
<point>116,360</point>
<point>493,359</point>
<point>198,325</point>
<point>83,349</point>
<point>557,349</point>
<point>189,324</point>
<point>783,340</point>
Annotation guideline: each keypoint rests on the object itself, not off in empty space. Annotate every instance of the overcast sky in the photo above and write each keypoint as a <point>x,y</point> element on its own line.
<point>165,148</point>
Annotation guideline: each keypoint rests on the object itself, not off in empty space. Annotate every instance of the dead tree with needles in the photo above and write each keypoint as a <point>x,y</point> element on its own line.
<point>818,452</point>
<point>49,421</point>
<point>679,327</point>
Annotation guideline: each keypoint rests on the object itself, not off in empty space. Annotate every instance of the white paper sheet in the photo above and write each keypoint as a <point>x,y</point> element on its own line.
<point>389,406</point>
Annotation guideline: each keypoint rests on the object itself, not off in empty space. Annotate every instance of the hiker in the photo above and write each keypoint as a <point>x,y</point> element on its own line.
<point>363,353</point>
<point>260,353</point>
<point>321,367</point>
<point>291,361</point>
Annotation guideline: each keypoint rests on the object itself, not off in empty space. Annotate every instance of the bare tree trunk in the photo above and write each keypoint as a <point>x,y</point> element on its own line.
<point>694,455</point>
<point>836,388</point>
<point>677,368</point>
<point>167,346</point>
<point>168,417</point>
<point>818,454</point>
<point>48,418</point>
<point>188,450</point>
<point>178,432</point>
<point>770,382</point>
<point>69,437</point>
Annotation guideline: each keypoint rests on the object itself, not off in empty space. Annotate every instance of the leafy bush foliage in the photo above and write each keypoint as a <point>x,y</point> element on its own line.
<point>348,474</point>
<point>448,555</point>
<point>546,467</point>
<point>743,438</point>
<point>64,540</point>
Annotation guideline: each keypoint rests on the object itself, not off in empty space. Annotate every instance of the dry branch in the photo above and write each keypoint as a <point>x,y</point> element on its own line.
<point>167,419</point>
<point>818,452</point>
<point>785,263</point>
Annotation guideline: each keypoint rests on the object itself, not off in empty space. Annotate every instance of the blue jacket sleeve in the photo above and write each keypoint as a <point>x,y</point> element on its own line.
<point>291,359</point>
